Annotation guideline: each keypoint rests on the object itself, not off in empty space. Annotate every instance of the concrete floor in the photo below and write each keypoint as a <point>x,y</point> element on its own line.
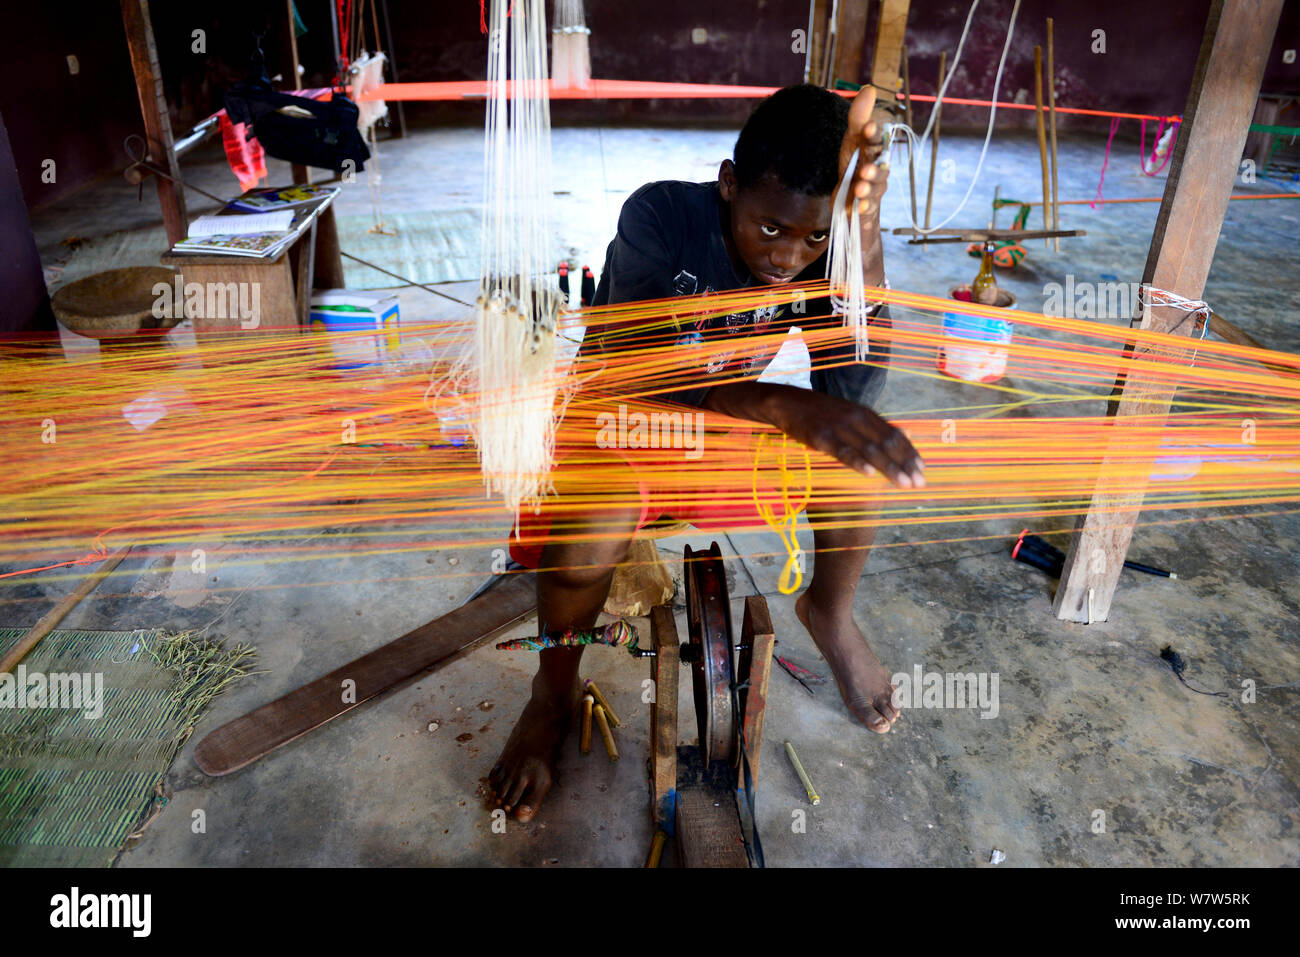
<point>1090,719</point>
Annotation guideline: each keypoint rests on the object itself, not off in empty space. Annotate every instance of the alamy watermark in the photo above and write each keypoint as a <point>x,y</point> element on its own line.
<point>654,430</point>
<point>935,689</point>
<point>68,691</point>
<point>209,300</point>
<point>1095,300</point>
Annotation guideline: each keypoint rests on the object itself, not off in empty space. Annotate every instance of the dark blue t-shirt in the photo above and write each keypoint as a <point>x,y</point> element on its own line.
<point>670,243</point>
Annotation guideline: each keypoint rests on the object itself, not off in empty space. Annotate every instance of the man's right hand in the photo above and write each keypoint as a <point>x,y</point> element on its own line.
<point>853,434</point>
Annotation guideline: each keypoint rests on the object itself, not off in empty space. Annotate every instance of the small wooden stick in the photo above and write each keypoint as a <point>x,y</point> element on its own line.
<point>911,160</point>
<point>813,797</point>
<point>584,742</point>
<point>1051,115</point>
<point>934,144</point>
<point>57,613</point>
<point>656,849</point>
<point>606,734</point>
<point>602,701</point>
<point>1042,141</point>
<point>1230,332</point>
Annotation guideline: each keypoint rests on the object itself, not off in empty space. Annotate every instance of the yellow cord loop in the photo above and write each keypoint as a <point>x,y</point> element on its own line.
<point>786,524</point>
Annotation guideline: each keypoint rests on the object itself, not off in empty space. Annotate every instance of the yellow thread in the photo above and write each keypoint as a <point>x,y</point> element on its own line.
<point>785,526</point>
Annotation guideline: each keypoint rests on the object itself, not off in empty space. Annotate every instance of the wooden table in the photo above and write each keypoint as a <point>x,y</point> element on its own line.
<point>284,282</point>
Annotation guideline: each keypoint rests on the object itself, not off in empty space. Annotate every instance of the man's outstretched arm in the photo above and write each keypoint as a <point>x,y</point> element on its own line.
<point>851,433</point>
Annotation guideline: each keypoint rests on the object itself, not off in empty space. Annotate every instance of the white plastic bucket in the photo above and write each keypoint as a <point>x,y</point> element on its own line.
<point>974,346</point>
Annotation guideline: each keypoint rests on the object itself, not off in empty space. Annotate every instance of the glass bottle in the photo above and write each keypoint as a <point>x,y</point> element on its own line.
<point>984,289</point>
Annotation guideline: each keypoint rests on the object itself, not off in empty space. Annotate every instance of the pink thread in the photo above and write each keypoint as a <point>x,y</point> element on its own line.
<point>1114,125</point>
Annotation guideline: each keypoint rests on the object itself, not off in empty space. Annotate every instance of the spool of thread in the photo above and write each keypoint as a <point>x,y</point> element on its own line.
<point>584,742</point>
<point>606,735</point>
<point>602,701</point>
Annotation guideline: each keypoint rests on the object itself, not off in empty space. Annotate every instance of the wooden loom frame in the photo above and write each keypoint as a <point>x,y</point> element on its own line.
<point>1220,103</point>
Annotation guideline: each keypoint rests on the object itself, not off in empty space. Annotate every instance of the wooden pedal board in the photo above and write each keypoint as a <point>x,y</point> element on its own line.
<point>244,740</point>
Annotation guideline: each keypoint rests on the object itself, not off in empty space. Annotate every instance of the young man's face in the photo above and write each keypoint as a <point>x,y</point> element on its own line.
<point>776,232</point>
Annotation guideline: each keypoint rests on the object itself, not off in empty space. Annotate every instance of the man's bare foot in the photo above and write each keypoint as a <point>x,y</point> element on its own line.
<point>526,769</point>
<point>864,683</point>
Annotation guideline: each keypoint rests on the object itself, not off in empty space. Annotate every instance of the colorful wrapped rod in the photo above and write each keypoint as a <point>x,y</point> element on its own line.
<point>619,634</point>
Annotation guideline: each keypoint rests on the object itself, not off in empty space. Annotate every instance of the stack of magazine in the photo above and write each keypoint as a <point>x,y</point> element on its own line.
<point>259,224</point>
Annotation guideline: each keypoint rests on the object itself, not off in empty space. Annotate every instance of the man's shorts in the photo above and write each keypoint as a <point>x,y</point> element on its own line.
<point>703,492</point>
<point>713,495</point>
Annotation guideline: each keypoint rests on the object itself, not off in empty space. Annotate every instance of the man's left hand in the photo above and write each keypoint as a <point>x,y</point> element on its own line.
<point>863,135</point>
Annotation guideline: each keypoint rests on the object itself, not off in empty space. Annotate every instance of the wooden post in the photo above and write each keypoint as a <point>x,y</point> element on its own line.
<point>852,37</point>
<point>328,260</point>
<point>398,127</point>
<point>56,614</point>
<point>1202,170</point>
<point>300,173</point>
<point>1042,142</point>
<point>153,109</point>
<point>663,714</point>
<point>757,640</point>
<point>934,138</point>
<point>908,119</point>
<point>1260,145</point>
<point>887,56</point>
<point>826,71</point>
<point>1051,128</point>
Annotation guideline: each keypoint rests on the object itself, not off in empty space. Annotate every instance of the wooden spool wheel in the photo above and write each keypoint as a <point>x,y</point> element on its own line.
<point>710,643</point>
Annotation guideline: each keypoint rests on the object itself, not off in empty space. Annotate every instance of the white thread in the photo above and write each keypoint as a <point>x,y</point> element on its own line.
<point>570,46</point>
<point>512,369</point>
<point>1163,297</point>
<point>915,144</point>
<point>844,262</point>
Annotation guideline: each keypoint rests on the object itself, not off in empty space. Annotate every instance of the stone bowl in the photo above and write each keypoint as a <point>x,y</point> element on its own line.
<point>114,304</point>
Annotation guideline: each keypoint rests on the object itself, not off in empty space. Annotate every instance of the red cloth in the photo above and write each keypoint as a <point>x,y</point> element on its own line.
<point>246,158</point>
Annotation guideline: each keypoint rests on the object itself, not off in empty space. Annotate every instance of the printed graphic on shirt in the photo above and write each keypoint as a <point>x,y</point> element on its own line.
<point>755,321</point>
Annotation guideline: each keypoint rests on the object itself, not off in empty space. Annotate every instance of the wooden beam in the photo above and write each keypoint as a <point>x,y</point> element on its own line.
<point>911,125</point>
<point>707,821</point>
<point>56,614</point>
<point>289,51</point>
<point>888,56</point>
<point>244,740</point>
<point>852,37</point>
<point>663,715</point>
<point>757,642</point>
<point>1051,127</point>
<point>934,140</point>
<point>821,39</point>
<point>1041,123</point>
<point>398,127</point>
<point>982,235</point>
<point>1238,37</point>
<point>153,109</point>
<point>816,31</point>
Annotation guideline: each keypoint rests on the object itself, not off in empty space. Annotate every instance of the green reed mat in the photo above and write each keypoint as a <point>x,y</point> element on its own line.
<point>72,786</point>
